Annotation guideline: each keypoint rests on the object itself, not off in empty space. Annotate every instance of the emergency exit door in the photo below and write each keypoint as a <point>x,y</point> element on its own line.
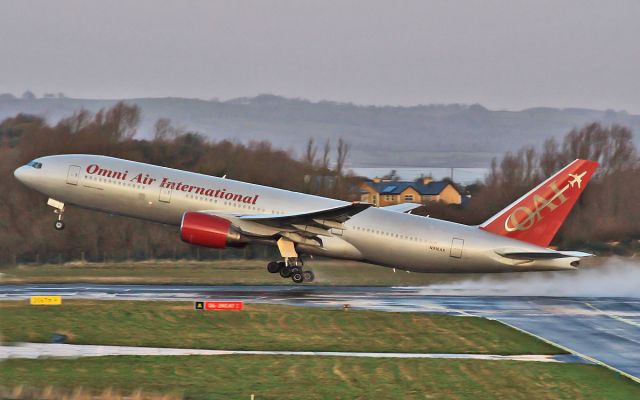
<point>73,175</point>
<point>456,248</point>
<point>165,195</point>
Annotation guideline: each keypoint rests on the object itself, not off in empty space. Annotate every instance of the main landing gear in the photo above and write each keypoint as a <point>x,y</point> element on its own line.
<point>293,270</point>
<point>58,208</point>
<point>291,267</point>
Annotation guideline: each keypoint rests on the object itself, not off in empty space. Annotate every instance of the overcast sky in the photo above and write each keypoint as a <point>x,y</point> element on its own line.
<point>503,54</point>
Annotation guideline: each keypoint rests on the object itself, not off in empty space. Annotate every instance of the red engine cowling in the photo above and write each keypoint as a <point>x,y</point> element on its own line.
<point>209,231</point>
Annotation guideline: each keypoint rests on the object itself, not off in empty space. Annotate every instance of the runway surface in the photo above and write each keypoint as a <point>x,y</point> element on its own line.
<point>605,330</point>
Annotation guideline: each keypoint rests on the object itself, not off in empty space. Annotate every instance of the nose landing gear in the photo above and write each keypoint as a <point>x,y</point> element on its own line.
<point>58,208</point>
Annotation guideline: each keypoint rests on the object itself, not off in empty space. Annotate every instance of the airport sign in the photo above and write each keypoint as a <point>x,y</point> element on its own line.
<point>219,305</point>
<point>46,300</point>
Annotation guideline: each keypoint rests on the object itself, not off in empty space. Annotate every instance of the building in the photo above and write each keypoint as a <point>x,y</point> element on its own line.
<point>386,192</point>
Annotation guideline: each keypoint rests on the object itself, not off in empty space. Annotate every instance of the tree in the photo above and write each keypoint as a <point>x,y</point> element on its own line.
<point>78,121</point>
<point>343,151</point>
<point>310,153</point>
<point>163,130</point>
<point>326,155</point>
<point>121,121</point>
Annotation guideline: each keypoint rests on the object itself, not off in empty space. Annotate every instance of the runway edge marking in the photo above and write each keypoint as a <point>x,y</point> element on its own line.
<point>586,357</point>
<point>611,315</point>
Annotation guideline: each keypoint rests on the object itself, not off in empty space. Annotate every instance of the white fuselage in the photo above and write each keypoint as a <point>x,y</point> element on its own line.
<point>376,235</point>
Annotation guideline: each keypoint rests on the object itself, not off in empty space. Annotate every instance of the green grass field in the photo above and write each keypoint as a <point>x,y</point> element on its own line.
<point>303,377</point>
<point>227,272</point>
<point>275,327</point>
<point>261,327</point>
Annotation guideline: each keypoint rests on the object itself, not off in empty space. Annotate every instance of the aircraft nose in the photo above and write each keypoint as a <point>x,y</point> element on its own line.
<point>26,175</point>
<point>20,173</point>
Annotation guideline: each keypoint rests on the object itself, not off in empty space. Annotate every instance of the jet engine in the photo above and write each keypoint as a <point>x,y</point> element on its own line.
<point>208,230</point>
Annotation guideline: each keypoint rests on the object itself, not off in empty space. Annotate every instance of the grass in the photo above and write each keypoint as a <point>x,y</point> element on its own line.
<point>261,327</point>
<point>276,327</point>
<point>302,377</point>
<point>227,272</point>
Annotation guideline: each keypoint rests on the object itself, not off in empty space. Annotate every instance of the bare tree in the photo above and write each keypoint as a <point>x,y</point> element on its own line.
<point>343,151</point>
<point>549,160</point>
<point>77,121</point>
<point>163,130</point>
<point>621,152</point>
<point>326,155</point>
<point>122,121</point>
<point>310,153</point>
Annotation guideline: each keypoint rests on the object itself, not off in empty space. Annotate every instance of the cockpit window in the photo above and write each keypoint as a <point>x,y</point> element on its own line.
<point>35,164</point>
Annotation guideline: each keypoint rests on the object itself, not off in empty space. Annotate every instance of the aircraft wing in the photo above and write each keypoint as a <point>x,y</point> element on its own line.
<point>326,218</point>
<point>402,207</point>
<point>304,228</point>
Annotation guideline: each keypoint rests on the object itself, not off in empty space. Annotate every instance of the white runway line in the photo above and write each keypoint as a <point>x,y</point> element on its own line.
<point>610,315</point>
<point>52,350</point>
<point>583,356</point>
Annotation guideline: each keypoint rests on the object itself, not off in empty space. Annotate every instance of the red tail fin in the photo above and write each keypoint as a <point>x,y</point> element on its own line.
<point>537,216</point>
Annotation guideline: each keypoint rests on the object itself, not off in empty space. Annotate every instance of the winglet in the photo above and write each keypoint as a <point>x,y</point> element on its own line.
<point>536,217</point>
<point>402,207</point>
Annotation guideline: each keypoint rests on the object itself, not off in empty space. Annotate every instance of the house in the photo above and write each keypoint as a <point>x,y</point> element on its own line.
<point>387,192</point>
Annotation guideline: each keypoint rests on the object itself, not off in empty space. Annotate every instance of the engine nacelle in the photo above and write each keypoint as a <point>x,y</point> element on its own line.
<point>207,230</point>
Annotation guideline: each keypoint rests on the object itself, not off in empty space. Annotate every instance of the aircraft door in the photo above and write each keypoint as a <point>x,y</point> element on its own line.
<point>73,175</point>
<point>165,195</point>
<point>456,248</point>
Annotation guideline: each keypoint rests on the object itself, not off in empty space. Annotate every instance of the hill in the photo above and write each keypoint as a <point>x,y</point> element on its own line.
<point>425,135</point>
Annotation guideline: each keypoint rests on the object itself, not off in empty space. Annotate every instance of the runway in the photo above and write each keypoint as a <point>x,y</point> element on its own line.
<point>605,330</point>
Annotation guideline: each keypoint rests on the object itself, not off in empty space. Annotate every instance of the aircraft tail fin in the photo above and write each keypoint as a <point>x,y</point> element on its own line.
<point>536,217</point>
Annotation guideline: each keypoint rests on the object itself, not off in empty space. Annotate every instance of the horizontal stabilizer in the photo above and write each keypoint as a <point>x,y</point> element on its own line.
<point>541,255</point>
<point>576,254</point>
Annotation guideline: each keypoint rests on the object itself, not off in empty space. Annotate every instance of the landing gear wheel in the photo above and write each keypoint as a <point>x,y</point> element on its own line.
<point>295,269</point>
<point>297,277</point>
<point>285,271</point>
<point>274,267</point>
<point>59,225</point>
<point>309,276</point>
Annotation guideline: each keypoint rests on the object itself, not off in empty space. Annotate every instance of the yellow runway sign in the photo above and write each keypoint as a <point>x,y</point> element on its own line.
<point>46,300</point>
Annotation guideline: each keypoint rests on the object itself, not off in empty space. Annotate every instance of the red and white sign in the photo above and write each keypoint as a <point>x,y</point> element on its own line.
<point>224,305</point>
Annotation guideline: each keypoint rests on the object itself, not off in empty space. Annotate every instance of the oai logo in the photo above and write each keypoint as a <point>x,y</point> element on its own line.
<point>524,218</point>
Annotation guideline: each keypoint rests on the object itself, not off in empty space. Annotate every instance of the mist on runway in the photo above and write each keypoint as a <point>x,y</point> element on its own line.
<point>615,277</point>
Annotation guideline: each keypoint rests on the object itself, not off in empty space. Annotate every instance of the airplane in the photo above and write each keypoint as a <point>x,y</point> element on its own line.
<point>218,212</point>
